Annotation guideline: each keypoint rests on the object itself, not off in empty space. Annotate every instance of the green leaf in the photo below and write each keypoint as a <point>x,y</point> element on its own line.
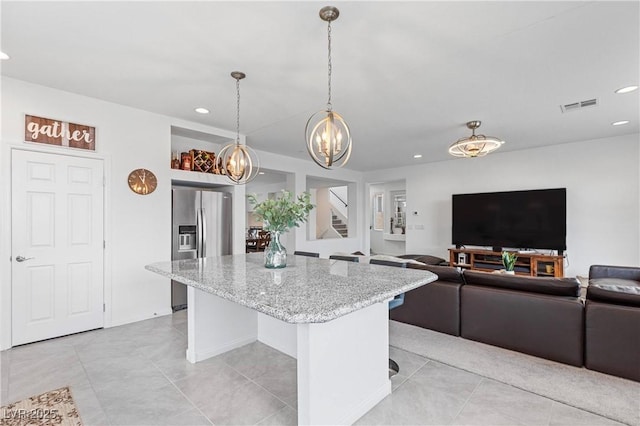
<point>284,212</point>
<point>509,260</point>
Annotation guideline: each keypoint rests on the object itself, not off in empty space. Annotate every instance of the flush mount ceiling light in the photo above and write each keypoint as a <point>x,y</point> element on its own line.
<point>239,162</point>
<point>627,89</point>
<point>201,110</point>
<point>327,134</point>
<point>474,145</point>
<point>417,156</point>
<point>620,123</point>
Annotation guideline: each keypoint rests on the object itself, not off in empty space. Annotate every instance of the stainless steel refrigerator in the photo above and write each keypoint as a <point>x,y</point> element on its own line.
<point>201,227</point>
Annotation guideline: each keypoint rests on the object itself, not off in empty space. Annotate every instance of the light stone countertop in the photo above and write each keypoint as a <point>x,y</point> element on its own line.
<point>308,290</point>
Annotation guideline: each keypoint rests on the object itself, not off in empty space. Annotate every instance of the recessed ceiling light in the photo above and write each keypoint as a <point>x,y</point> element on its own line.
<point>417,156</point>
<point>260,173</point>
<point>202,111</point>
<point>627,89</point>
<point>620,123</point>
<point>4,56</point>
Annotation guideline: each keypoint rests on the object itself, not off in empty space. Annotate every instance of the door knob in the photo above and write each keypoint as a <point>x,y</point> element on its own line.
<point>22,259</point>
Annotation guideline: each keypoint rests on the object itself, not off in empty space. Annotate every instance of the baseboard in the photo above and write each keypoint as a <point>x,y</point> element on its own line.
<point>129,320</point>
<point>367,404</point>
<point>201,355</point>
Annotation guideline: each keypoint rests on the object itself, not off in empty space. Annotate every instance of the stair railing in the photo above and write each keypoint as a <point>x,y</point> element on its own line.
<point>338,197</point>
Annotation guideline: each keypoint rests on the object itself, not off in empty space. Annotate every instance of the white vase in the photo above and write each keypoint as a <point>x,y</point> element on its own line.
<point>510,272</point>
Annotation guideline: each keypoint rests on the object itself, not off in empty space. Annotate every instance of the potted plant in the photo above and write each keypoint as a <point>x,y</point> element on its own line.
<point>509,261</point>
<point>279,215</point>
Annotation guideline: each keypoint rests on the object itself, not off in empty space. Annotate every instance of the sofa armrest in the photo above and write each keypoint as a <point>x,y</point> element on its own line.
<point>612,339</point>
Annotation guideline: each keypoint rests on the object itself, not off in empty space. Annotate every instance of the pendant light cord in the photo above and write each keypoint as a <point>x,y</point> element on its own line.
<point>329,107</point>
<point>238,111</point>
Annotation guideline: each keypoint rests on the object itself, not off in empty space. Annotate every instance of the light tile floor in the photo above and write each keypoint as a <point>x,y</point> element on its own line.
<point>137,374</point>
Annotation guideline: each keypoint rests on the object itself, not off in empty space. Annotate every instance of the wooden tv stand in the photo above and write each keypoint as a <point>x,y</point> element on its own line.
<point>530,264</point>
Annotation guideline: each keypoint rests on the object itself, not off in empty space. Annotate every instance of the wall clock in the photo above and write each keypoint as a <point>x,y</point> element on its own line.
<point>142,181</point>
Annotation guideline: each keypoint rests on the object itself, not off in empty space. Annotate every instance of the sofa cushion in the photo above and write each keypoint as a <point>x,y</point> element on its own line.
<point>424,258</point>
<point>614,290</point>
<point>444,273</point>
<point>542,325</point>
<point>542,285</point>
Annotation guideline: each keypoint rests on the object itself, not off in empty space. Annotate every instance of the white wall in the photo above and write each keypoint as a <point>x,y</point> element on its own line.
<point>297,181</point>
<point>137,228</point>
<point>379,245</point>
<point>323,212</point>
<point>602,178</point>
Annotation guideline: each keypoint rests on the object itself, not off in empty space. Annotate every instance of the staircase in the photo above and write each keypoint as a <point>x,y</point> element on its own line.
<point>339,226</point>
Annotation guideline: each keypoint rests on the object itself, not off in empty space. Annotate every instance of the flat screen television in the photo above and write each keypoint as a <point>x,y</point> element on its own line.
<point>534,219</point>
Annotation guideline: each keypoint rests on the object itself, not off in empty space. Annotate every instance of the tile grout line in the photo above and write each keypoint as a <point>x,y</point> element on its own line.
<point>250,380</point>
<point>265,389</point>
<point>181,393</point>
<point>9,355</point>
<point>513,386</point>
<point>467,400</point>
<point>500,349</point>
<point>412,374</point>
<point>172,326</point>
<point>75,350</point>
<point>241,374</point>
<point>429,360</point>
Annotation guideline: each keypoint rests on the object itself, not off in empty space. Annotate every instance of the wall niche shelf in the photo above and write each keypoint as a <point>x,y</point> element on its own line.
<point>395,237</point>
<point>529,264</point>
<point>186,176</point>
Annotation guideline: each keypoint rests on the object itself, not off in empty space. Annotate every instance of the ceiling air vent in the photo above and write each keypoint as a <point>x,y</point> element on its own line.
<point>578,105</point>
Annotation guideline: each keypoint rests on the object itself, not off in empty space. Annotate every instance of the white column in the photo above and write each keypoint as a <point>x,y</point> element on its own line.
<point>216,325</point>
<point>278,334</point>
<point>343,366</point>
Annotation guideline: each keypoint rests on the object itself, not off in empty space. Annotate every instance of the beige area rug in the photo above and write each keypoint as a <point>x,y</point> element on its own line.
<point>55,407</point>
<point>602,394</point>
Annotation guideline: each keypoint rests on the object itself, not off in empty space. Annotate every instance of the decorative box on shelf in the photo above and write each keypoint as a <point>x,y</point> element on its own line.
<point>196,160</point>
<point>203,161</point>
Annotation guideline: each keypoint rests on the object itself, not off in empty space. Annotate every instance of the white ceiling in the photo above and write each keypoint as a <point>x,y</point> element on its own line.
<point>406,75</point>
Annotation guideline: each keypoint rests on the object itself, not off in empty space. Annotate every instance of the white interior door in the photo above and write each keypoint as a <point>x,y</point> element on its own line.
<point>56,245</point>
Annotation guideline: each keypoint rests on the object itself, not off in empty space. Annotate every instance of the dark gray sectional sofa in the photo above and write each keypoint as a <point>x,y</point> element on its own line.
<point>544,317</point>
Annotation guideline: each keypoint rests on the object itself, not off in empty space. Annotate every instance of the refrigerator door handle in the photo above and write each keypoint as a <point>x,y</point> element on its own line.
<point>198,233</point>
<point>203,233</point>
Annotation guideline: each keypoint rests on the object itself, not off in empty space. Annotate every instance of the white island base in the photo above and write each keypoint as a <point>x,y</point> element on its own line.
<point>342,364</point>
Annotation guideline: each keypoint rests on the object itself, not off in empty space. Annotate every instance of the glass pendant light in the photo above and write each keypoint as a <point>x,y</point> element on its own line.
<point>327,134</point>
<point>239,162</point>
<point>474,145</point>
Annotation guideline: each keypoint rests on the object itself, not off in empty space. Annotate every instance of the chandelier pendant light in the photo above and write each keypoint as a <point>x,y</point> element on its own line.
<point>474,145</point>
<point>239,162</point>
<point>327,134</point>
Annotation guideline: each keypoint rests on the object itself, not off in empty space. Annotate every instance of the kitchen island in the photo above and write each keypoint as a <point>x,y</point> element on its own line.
<point>331,315</point>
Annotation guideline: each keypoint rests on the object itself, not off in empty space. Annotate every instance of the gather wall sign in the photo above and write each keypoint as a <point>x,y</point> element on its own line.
<point>57,132</point>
